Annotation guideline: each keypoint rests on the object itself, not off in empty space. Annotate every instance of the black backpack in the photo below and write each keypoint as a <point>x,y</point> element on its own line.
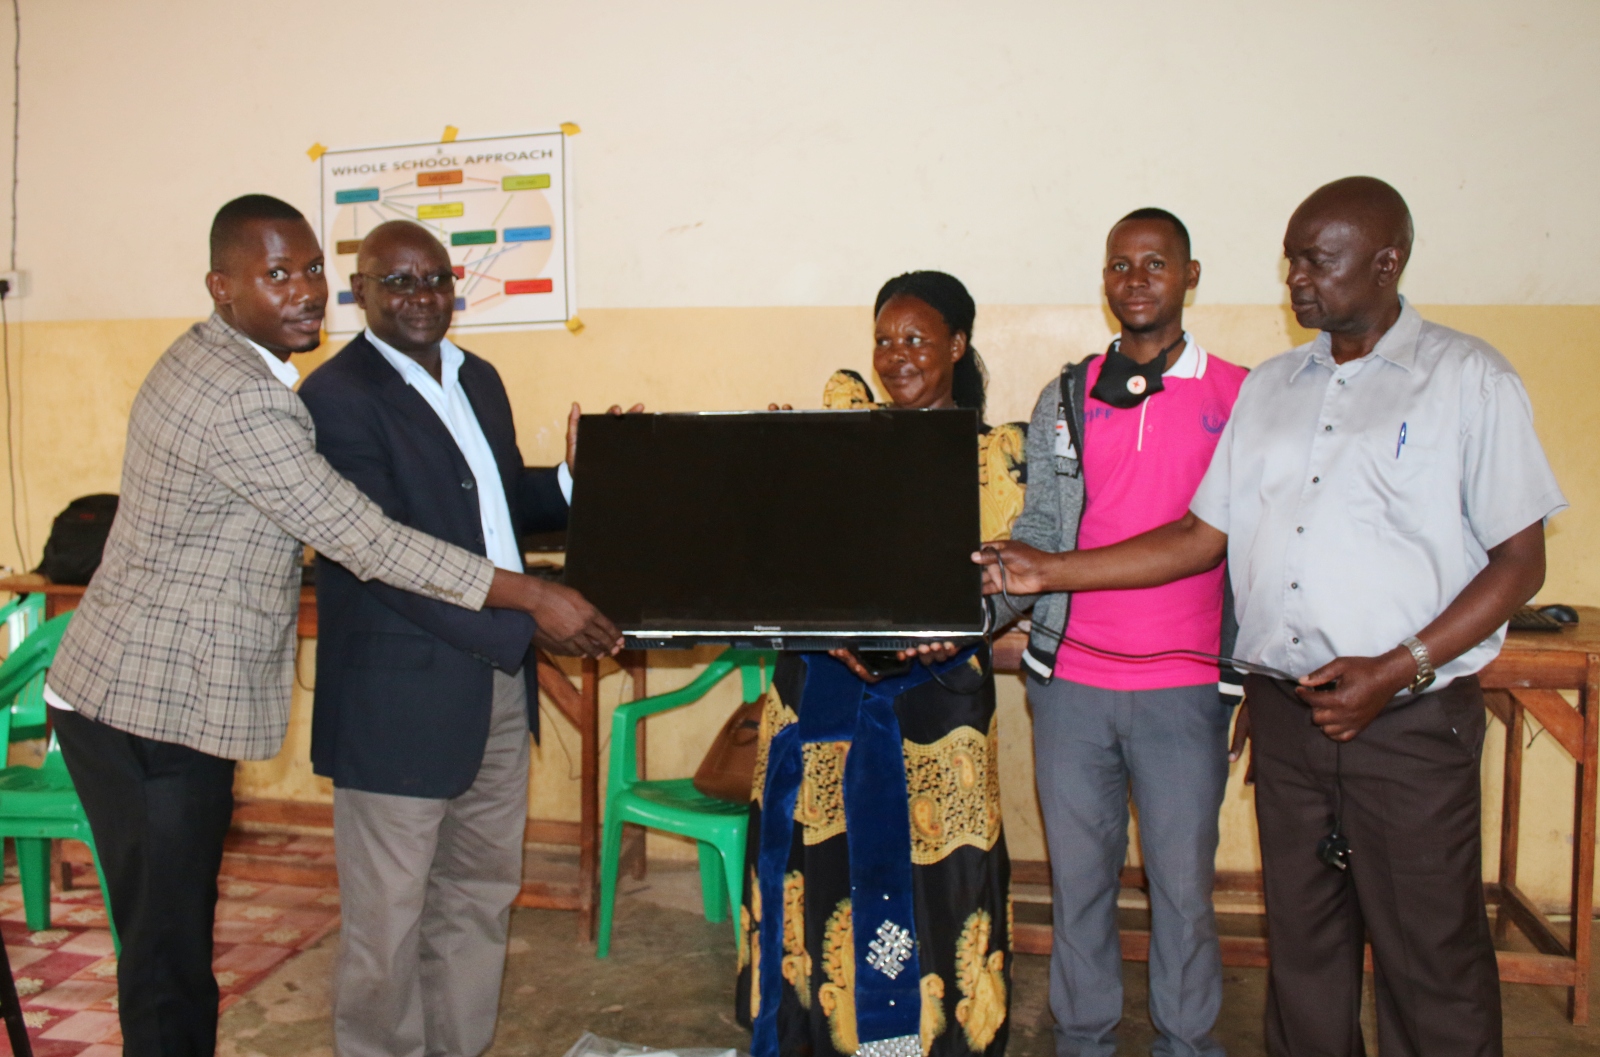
<point>78,539</point>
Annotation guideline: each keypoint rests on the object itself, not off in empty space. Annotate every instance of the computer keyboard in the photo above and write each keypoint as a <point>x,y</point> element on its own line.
<point>1530,619</point>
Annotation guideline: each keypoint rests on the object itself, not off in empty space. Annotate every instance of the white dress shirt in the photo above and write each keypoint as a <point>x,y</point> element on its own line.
<point>449,401</point>
<point>1360,498</point>
<point>282,370</point>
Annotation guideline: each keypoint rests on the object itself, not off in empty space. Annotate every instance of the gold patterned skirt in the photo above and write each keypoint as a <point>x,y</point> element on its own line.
<point>961,879</point>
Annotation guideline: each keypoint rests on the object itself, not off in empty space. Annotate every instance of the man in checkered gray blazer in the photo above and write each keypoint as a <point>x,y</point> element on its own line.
<point>180,659</point>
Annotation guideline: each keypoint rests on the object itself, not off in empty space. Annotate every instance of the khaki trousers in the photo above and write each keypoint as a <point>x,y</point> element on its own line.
<point>425,888</point>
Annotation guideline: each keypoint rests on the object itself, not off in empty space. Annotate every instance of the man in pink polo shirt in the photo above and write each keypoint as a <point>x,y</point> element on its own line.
<point>1133,432</point>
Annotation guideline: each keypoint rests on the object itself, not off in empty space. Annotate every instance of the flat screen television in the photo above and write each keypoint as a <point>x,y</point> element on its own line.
<point>779,530</point>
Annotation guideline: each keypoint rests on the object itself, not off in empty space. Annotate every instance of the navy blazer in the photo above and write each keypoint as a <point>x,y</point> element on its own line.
<point>404,683</point>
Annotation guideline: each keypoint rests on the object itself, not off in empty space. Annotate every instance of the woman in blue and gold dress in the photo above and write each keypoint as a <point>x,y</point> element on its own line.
<point>876,916</point>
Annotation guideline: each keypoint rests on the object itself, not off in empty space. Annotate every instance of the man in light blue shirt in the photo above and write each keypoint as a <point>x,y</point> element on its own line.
<point>422,716</point>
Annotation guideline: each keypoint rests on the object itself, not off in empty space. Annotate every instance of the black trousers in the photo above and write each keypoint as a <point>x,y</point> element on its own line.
<point>1408,788</point>
<point>159,813</point>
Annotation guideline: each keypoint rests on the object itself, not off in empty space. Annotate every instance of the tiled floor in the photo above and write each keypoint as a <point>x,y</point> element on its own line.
<point>67,974</point>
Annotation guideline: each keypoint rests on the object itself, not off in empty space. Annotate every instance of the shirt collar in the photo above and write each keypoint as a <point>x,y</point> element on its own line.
<point>450,360</point>
<point>282,370</point>
<point>1398,344</point>
<point>1191,362</point>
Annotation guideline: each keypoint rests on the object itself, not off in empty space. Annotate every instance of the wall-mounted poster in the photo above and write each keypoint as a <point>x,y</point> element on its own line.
<point>502,206</point>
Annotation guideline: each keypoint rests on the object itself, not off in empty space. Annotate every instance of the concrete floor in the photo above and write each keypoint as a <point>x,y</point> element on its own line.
<point>668,983</point>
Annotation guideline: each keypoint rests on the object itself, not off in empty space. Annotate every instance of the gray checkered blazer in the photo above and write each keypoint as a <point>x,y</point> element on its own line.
<point>187,632</point>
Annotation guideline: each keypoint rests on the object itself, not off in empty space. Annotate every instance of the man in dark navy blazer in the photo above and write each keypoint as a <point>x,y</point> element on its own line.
<point>423,709</point>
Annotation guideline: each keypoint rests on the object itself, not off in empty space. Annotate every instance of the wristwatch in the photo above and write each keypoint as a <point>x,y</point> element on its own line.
<point>1425,672</point>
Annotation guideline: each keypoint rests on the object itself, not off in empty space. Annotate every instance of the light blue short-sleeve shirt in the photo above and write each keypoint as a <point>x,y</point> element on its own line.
<point>1359,499</point>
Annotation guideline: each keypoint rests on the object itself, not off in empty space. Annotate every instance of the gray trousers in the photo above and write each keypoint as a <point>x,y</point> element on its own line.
<point>425,889</point>
<point>1171,746</point>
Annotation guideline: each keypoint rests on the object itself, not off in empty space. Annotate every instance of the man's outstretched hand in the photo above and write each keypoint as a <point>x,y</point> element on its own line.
<point>572,427</point>
<point>1023,571</point>
<point>1166,553</point>
<point>566,621</point>
<point>1362,686</point>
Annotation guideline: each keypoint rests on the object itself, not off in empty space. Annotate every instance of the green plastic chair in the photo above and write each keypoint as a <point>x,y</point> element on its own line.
<point>674,804</point>
<point>22,615</point>
<point>24,718</point>
<point>39,804</point>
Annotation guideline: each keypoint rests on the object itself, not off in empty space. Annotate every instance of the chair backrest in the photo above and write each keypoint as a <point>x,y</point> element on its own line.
<point>22,707</point>
<point>22,615</point>
<point>25,718</point>
<point>755,670</point>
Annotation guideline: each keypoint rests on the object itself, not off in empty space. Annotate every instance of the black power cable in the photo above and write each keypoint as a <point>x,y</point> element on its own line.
<point>5,288</point>
<point>11,463</point>
<point>16,117</point>
<point>1332,850</point>
<point>1061,636</point>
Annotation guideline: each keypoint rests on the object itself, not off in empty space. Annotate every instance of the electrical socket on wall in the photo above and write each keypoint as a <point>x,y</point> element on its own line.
<point>16,284</point>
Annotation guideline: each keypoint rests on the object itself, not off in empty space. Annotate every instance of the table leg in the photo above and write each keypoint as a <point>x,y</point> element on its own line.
<point>1583,832</point>
<point>633,838</point>
<point>1510,807</point>
<point>589,802</point>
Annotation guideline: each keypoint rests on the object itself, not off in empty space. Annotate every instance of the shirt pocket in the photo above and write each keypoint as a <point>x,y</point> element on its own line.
<point>1398,491</point>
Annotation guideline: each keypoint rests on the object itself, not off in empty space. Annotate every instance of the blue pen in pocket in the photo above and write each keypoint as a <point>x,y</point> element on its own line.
<point>1401,442</point>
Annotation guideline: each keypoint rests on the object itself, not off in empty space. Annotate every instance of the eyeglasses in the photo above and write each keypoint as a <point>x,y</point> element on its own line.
<point>406,285</point>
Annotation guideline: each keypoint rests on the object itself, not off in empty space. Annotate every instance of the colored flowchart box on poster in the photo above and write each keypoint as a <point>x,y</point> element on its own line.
<point>441,210</point>
<point>538,234</point>
<point>439,179</point>
<point>459,271</point>
<point>356,194</point>
<point>530,286</point>
<point>346,297</point>
<point>529,182</point>
<point>461,304</point>
<point>348,246</point>
<point>472,238</point>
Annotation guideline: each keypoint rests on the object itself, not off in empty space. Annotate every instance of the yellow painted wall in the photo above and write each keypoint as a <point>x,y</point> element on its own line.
<point>78,380</point>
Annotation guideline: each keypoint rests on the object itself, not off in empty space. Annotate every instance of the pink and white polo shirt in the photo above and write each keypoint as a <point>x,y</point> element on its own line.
<point>1141,467</point>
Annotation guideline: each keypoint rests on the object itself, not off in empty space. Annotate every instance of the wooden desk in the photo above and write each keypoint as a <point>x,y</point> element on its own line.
<point>580,705</point>
<point>64,598</point>
<point>1524,680</point>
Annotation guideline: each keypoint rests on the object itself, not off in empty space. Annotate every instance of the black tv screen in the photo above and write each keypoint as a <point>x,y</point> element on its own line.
<point>790,529</point>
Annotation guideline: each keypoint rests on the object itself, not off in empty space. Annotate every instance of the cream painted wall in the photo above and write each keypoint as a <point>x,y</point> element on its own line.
<point>797,154</point>
<point>748,175</point>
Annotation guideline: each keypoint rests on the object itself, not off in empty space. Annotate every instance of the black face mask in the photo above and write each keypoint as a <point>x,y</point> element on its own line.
<point>1124,383</point>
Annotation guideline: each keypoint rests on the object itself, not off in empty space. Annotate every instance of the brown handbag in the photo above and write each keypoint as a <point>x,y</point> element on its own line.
<point>729,769</point>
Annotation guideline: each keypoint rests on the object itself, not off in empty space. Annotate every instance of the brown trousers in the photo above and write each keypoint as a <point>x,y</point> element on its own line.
<point>1411,811</point>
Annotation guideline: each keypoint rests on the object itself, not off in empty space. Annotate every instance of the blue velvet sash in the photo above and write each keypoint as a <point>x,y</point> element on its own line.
<point>837,706</point>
